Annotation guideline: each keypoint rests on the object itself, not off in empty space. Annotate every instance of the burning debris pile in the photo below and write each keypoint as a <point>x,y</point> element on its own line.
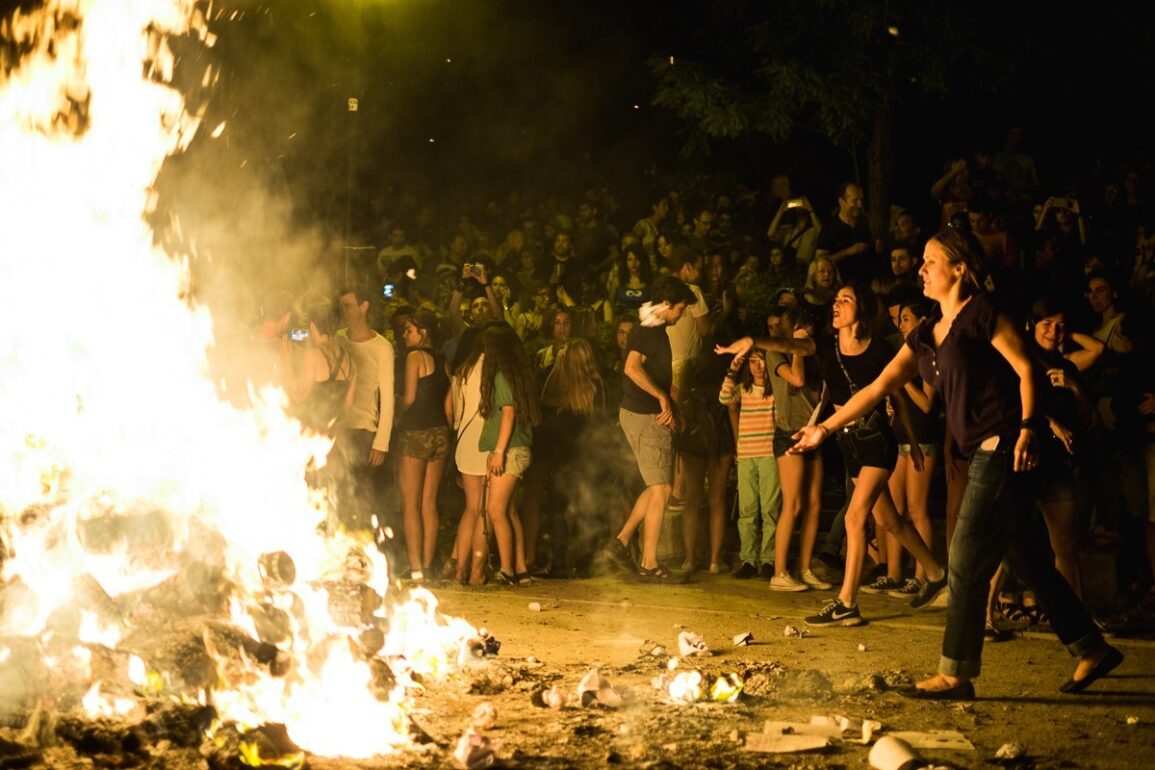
<point>163,562</point>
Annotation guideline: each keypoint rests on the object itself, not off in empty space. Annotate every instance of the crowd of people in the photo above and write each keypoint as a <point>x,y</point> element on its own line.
<point>651,393</point>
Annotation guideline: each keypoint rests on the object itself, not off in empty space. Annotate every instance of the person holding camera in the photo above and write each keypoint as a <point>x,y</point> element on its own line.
<point>320,386</point>
<point>795,228</point>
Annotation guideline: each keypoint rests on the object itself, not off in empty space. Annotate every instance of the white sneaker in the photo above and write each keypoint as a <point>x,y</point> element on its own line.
<point>815,582</point>
<point>784,581</point>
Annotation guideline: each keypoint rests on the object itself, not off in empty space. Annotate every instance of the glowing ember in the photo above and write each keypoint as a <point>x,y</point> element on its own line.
<point>119,455</point>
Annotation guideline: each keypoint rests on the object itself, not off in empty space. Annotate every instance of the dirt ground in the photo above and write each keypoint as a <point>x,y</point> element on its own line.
<point>612,624</point>
<point>833,671</point>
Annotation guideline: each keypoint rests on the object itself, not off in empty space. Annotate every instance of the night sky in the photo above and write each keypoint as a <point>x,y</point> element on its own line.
<point>557,95</point>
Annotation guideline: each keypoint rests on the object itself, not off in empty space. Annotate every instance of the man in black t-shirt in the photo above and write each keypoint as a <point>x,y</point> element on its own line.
<point>647,419</point>
<point>846,238</point>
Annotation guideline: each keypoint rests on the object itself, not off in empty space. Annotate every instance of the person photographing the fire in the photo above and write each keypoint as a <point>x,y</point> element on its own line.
<point>972,354</point>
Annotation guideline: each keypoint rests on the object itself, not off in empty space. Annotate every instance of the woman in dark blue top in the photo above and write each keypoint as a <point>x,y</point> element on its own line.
<point>974,357</point>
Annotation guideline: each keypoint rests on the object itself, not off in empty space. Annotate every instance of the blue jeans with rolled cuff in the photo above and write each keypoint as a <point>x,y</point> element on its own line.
<point>997,518</point>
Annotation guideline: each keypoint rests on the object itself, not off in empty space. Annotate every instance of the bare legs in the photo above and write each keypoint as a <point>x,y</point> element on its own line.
<point>872,496</point>
<point>647,513</point>
<point>420,481</point>
<point>801,480</point>
<point>910,490</point>
<point>704,480</point>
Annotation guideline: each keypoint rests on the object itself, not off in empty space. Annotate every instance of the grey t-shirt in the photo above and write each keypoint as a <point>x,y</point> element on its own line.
<point>792,406</point>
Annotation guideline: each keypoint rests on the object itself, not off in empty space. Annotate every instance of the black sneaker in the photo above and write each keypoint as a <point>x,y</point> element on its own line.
<point>836,614</point>
<point>766,571</point>
<point>619,556</point>
<point>660,574</point>
<point>745,571</point>
<point>505,579</point>
<point>880,585</point>
<point>930,591</point>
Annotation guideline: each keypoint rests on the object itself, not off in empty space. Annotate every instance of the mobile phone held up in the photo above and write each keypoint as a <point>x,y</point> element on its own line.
<point>298,335</point>
<point>387,290</point>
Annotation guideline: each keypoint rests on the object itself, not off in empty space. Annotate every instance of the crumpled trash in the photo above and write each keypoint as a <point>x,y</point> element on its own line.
<point>1011,750</point>
<point>553,698</point>
<point>484,717</point>
<point>534,606</point>
<point>1132,720</point>
<point>849,728</point>
<point>793,631</point>
<point>690,645</point>
<point>653,649</point>
<point>594,689</point>
<point>694,686</point>
<point>484,645</point>
<point>474,751</point>
<point>726,688</point>
<point>683,687</point>
<point>743,639</point>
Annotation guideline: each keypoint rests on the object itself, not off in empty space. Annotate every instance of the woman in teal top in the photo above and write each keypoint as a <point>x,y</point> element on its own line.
<point>509,408</point>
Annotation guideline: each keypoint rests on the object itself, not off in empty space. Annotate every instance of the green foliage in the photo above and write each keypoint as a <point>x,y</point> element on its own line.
<point>820,65</point>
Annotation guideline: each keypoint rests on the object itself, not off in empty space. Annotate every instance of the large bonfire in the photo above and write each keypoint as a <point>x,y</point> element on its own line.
<point>133,498</point>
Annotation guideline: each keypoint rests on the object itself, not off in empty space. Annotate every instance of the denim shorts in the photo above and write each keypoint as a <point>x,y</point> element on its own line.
<point>877,449</point>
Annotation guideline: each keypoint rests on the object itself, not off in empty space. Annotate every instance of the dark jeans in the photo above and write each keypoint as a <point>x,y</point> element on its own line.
<point>997,517</point>
<point>362,489</point>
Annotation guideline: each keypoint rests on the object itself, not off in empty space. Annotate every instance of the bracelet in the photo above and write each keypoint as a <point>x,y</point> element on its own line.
<point>1033,423</point>
<point>823,428</point>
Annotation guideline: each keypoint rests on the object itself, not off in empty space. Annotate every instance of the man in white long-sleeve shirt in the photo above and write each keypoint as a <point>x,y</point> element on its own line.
<point>364,442</point>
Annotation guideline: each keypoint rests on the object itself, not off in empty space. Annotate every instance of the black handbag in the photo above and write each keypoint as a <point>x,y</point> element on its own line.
<point>868,426</point>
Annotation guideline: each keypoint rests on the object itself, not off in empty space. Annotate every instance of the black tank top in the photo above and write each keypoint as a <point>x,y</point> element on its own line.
<point>325,405</point>
<point>428,410</point>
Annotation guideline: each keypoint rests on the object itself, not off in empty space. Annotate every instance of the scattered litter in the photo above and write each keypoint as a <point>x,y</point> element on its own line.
<point>653,649</point>
<point>936,739</point>
<point>726,688</point>
<point>862,648</point>
<point>534,606</point>
<point>792,631</point>
<point>553,698</point>
<point>1011,751</point>
<point>785,744</point>
<point>690,644</point>
<point>474,751</point>
<point>531,659</point>
<point>694,686</point>
<point>1132,720</point>
<point>850,728</point>
<point>481,646</point>
<point>743,639</point>
<point>893,753</point>
<point>594,689</point>
<point>484,717</point>
<point>832,727</point>
<point>684,687</point>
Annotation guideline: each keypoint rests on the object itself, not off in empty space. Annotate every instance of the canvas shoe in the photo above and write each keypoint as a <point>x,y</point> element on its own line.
<point>784,581</point>
<point>815,582</point>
